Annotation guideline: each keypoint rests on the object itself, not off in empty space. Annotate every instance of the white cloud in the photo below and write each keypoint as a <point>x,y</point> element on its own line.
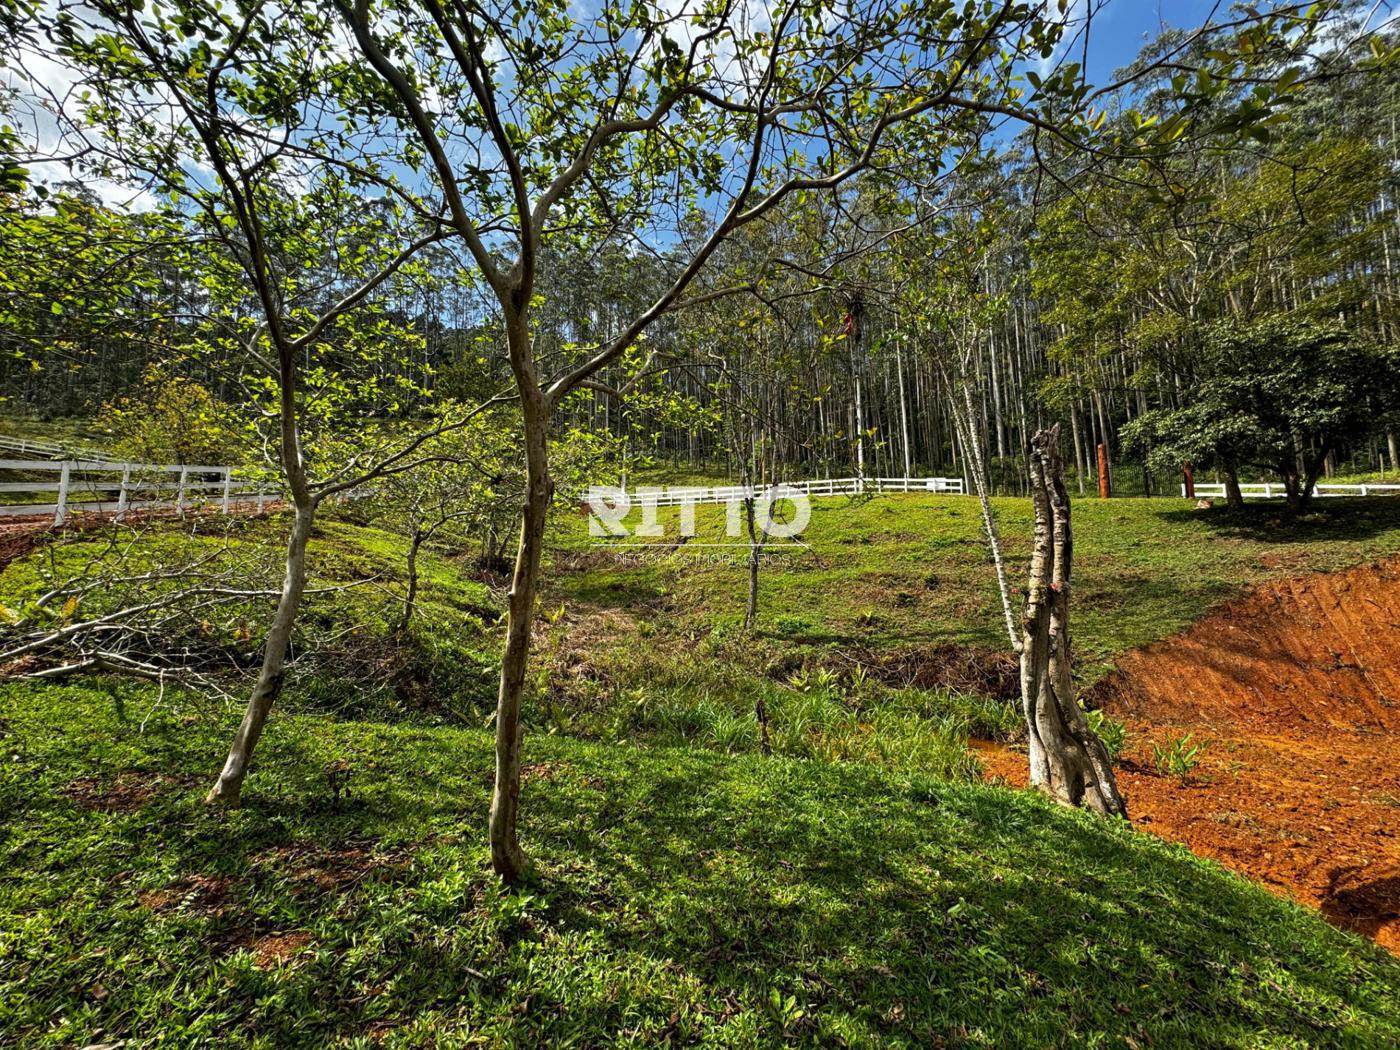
<point>1072,18</point>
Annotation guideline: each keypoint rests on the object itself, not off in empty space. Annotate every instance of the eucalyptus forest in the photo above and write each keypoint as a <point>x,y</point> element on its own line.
<point>689,522</point>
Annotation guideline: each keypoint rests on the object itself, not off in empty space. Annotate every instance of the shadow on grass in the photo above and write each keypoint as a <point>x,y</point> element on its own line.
<point>1330,518</point>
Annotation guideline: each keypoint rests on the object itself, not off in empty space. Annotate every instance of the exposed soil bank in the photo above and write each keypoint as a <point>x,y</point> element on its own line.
<point>1297,689</point>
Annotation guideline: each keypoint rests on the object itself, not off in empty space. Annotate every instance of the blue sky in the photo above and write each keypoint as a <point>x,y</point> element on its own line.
<point>1121,27</point>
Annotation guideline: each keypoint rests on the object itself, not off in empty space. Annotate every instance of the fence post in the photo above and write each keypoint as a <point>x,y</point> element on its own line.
<point>63,477</point>
<point>1104,492</point>
<point>180,492</point>
<point>260,499</point>
<point>228,484</point>
<point>124,493</point>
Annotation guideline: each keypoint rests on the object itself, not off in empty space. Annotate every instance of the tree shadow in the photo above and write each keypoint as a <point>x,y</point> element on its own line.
<point>1330,518</point>
<point>1365,907</point>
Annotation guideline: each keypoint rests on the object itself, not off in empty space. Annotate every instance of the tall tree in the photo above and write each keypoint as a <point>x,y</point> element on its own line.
<point>208,108</point>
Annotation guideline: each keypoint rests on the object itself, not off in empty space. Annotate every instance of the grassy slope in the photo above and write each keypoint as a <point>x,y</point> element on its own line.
<point>679,894</point>
<point>1143,569</point>
<point>649,648</point>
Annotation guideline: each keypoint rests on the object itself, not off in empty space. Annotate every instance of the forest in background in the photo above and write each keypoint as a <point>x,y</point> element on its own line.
<point>1212,303</point>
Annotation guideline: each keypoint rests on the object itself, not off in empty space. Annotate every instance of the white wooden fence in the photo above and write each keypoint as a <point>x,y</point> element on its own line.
<point>114,488</point>
<point>675,496</point>
<point>31,447</point>
<point>1276,490</point>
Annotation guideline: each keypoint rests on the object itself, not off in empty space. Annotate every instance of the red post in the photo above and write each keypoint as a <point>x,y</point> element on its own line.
<point>1103,473</point>
<point>1190,480</point>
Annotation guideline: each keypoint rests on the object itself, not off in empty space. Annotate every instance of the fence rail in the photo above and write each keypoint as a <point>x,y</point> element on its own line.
<point>1276,490</point>
<point>50,450</point>
<point>675,496</point>
<point>100,486</point>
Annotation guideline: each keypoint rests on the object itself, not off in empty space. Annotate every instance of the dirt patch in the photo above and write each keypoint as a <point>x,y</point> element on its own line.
<point>989,672</point>
<point>313,868</point>
<point>274,949</point>
<point>22,533</point>
<point>127,792</point>
<point>1295,689</point>
<point>206,896</point>
<point>1314,653</point>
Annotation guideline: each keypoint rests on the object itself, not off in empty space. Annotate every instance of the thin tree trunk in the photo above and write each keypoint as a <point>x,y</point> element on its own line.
<point>228,789</point>
<point>975,461</point>
<point>1394,446</point>
<point>860,430</point>
<point>506,856</point>
<point>411,594</point>
<point>1078,445</point>
<point>755,555</point>
<point>904,408</point>
<point>1067,759</point>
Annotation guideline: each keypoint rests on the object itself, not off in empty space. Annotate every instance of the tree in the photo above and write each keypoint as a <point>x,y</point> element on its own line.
<point>173,419</point>
<point>592,125</point>
<point>534,128</point>
<point>1280,395</point>
<point>957,313</point>
<point>1068,760</point>
<point>209,108</point>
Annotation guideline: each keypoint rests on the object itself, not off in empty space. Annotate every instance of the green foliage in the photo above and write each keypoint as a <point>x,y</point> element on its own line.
<point>1112,732</point>
<point>347,660</point>
<point>172,419</point>
<point>1179,756</point>
<point>1280,394</point>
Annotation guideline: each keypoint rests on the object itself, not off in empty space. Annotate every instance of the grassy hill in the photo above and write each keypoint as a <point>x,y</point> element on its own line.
<point>899,570</point>
<point>857,888</point>
<point>679,896</point>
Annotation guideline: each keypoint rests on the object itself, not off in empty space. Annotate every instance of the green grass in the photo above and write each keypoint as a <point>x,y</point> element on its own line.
<point>649,647</point>
<point>678,895</point>
<point>896,571</point>
<point>69,431</point>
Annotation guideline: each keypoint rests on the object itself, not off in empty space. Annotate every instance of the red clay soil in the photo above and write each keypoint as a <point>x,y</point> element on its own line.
<point>1297,690</point>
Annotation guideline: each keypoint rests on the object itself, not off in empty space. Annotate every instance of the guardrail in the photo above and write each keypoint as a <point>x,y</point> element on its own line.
<point>1276,490</point>
<point>114,488</point>
<point>675,496</point>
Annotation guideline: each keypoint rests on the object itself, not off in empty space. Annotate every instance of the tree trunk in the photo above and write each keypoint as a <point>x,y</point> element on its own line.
<point>1080,463</point>
<point>975,460</point>
<point>1068,761</point>
<point>1394,446</point>
<point>903,408</point>
<point>1234,498</point>
<point>506,856</point>
<point>1293,490</point>
<point>1307,484</point>
<point>411,594</point>
<point>760,711</point>
<point>228,789</point>
<point>755,554</point>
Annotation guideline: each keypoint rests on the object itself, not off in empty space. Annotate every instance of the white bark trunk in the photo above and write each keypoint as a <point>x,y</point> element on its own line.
<point>1067,760</point>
